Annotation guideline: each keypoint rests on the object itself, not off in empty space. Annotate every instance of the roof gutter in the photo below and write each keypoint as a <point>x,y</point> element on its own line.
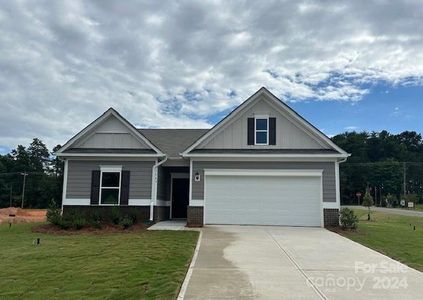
<point>59,154</point>
<point>343,156</point>
<point>154,185</point>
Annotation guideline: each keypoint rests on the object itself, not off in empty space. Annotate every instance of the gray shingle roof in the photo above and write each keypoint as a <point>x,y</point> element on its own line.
<point>172,141</point>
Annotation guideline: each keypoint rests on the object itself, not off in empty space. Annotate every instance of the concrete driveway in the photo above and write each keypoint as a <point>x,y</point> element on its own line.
<point>261,262</point>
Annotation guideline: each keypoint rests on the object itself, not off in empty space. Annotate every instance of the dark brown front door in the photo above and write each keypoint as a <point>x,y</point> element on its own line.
<point>180,197</point>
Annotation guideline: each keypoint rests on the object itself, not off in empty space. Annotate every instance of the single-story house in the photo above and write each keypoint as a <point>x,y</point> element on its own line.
<point>263,164</point>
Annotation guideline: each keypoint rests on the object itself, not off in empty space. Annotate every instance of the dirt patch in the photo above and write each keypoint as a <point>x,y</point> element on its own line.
<point>19,215</point>
<point>106,229</point>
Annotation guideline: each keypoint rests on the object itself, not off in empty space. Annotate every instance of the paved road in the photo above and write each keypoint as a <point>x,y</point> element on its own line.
<point>266,262</point>
<point>397,211</point>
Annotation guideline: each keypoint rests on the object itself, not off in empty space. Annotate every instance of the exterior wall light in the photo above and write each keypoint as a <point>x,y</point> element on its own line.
<point>197,177</point>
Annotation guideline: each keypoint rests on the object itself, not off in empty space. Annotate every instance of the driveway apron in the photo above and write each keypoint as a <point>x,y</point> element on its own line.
<point>267,262</point>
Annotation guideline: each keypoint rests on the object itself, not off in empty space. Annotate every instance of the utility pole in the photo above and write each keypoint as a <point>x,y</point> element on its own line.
<point>24,174</point>
<point>404,178</point>
<point>10,196</point>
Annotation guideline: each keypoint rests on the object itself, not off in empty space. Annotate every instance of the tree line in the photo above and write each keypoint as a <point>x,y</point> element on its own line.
<point>43,179</point>
<point>389,165</point>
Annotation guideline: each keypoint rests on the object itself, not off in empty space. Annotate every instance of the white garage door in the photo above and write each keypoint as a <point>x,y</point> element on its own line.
<point>290,198</point>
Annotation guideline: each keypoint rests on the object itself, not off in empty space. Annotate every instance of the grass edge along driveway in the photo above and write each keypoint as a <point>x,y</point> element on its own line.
<point>146,264</point>
<point>392,235</point>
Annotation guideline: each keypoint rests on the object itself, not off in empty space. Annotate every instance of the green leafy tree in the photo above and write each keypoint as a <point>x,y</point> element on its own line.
<point>368,202</point>
<point>38,155</point>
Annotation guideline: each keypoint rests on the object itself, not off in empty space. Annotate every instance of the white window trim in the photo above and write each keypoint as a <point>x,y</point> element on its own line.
<point>266,117</point>
<point>110,169</point>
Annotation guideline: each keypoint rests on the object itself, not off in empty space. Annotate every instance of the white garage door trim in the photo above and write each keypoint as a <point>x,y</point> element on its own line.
<point>261,172</point>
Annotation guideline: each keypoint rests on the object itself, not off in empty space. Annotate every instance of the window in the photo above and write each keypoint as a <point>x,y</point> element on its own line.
<point>110,186</point>
<point>261,130</point>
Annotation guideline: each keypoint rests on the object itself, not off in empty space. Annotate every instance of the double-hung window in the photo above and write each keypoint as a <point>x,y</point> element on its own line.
<point>110,182</point>
<point>261,130</point>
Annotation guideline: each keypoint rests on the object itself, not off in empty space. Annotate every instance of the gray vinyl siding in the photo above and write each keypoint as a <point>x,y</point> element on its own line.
<point>112,133</point>
<point>289,133</point>
<point>329,190</point>
<point>79,177</point>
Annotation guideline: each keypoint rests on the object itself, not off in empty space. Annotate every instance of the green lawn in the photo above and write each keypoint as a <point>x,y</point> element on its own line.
<point>392,235</point>
<point>145,264</point>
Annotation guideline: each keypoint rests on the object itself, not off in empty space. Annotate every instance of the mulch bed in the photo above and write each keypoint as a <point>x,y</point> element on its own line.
<point>106,229</point>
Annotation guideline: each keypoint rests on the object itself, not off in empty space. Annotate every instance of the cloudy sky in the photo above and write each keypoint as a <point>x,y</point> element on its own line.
<point>344,65</point>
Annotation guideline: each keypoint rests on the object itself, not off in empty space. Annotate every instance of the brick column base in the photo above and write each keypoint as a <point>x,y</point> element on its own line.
<point>195,216</point>
<point>331,217</point>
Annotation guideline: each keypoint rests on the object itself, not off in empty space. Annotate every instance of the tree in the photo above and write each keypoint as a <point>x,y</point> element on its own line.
<point>368,202</point>
<point>38,155</point>
<point>44,180</point>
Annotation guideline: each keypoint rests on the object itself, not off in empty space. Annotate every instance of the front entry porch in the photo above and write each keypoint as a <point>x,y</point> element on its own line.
<point>170,225</point>
<point>173,189</point>
<point>179,195</point>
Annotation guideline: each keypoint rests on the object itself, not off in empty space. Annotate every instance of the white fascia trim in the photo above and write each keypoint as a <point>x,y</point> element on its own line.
<point>76,201</point>
<point>139,202</point>
<point>271,155</point>
<point>264,172</point>
<point>104,116</point>
<point>264,159</point>
<point>302,121</point>
<point>105,155</point>
<point>196,202</point>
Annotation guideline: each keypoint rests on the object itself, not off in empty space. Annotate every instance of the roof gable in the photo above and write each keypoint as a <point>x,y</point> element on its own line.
<point>230,132</point>
<point>112,132</point>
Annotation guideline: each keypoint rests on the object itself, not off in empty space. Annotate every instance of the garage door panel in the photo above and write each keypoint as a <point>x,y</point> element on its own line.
<point>263,200</point>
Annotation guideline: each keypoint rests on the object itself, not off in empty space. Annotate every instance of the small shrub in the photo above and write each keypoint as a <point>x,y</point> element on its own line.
<point>73,219</point>
<point>126,222</point>
<point>348,219</point>
<point>96,219</point>
<point>115,215</point>
<point>64,224</point>
<point>134,216</point>
<point>78,223</point>
<point>54,214</point>
<point>368,202</point>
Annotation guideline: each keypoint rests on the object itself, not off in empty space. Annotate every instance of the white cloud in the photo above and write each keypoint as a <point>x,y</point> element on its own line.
<point>174,64</point>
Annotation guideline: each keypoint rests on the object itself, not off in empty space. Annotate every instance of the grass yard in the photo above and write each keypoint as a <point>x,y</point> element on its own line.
<point>419,207</point>
<point>391,235</point>
<point>145,264</point>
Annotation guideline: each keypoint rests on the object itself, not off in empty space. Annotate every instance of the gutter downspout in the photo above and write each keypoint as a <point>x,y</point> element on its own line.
<point>154,186</point>
<point>342,160</point>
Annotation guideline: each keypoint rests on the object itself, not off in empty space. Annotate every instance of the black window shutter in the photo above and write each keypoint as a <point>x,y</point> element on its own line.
<point>124,189</point>
<point>272,131</point>
<point>95,187</point>
<point>250,137</point>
